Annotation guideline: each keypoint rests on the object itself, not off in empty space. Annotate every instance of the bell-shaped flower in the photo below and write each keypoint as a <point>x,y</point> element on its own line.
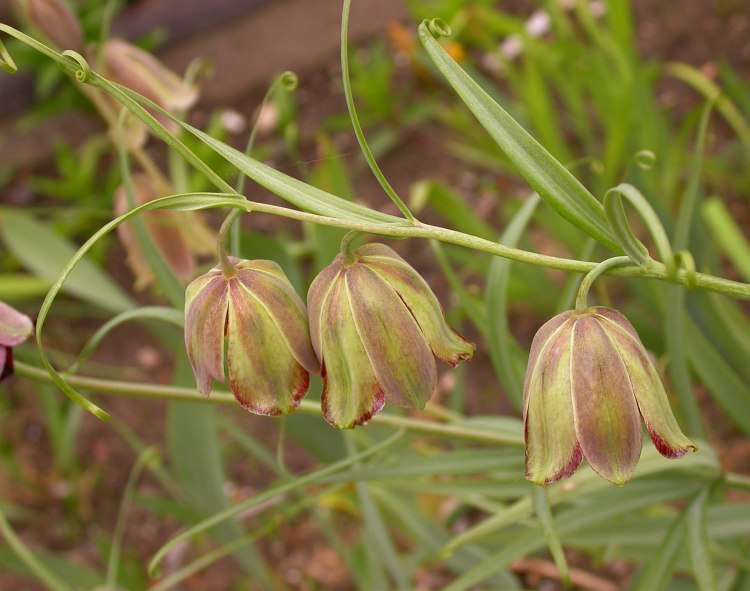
<point>264,321</point>
<point>140,71</point>
<point>588,383</point>
<point>375,325</point>
<point>15,328</point>
<point>54,20</point>
<point>179,237</point>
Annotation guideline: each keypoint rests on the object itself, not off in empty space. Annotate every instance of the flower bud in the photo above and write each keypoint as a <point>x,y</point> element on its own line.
<point>15,328</point>
<point>54,20</point>
<point>588,383</point>
<point>269,355</point>
<point>375,325</point>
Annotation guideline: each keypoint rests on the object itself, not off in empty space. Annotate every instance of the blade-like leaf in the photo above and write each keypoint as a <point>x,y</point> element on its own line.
<point>546,175</point>
<point>46,253</point>
<point>503,346</point>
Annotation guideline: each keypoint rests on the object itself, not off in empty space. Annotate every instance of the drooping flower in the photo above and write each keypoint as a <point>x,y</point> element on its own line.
<point>588,383</point>
<point>54,20</point>
<point>375,325</point>
<point>140,71</point>
<point>15,328</point>
<point>264,321</point>
<point>179,237</point>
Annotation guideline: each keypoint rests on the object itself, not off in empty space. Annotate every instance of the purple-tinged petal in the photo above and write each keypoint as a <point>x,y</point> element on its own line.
<point>413,290</point>
<point>351,393</point>
<point>538,344</point>
<point>281,302</point>
<point>552,449</point>
<point>6,362</point>
<point>15,327</point>
<point>317,296</point>
<point>402,361</point>
<point>206,302</point>
<point>649,392</point>
<point>607,420</point>
<point>263,374</point>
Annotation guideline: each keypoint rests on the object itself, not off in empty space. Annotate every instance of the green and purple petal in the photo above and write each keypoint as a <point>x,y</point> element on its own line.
<point>396,348</point>
<point>317,296</point>
<point>264,375</point>
<point>274,292</point>
<point>445,343</point>
<point>649,392</point>
<point>607,420</point>
<point>351,393</point>
<point>552,448</point>
<point>206,302</point>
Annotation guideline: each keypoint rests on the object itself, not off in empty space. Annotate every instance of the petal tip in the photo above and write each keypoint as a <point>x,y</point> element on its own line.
<point>667,449</point>
<point>567,470</point>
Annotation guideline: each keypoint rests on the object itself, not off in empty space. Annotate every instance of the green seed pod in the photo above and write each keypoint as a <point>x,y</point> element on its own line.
<point>375,325</point>
<point>269,355</point>
<point>588,383</point>
<point>15,328</point>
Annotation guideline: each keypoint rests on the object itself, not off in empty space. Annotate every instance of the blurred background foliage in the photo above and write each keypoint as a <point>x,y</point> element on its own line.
<point>91,502</point>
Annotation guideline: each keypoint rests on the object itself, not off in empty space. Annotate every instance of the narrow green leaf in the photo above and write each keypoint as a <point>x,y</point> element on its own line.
<point>29,559</point>
<point>472,307</point>
<point>657,572</point>
<point>703,84</point>
<point>294,191</point>
<point>503,346</point>
<point>45,252</point>
<point>196,455</point>
<point>548,177</point>
<point>729,390</point>
<point>21,286</point>
<point>269,493</point>
<point>699,542</point>
<point>544,514</point>
<point>727,235</point>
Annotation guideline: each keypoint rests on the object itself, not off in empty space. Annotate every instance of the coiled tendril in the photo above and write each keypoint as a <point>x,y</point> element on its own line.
<point>83,74</point>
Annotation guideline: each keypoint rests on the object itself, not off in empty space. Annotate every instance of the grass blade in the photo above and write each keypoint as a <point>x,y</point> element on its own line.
<point>546,175</point>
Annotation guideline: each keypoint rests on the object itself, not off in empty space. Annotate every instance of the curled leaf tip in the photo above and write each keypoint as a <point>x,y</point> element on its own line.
<point>83,73</point>
<point>438,28</point>
<point>290,80</point>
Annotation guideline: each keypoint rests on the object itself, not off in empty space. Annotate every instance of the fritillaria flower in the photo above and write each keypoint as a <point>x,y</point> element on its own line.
<point>15,328</point>
<point>269,356</point>
<point>140,71</point>
<point>588,383</point>
<point>54,20</point>
<point>179,237</point>
<point>375,325</point>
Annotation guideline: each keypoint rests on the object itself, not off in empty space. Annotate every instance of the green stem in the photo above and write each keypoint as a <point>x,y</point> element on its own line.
<point>30,561</point>
<point>221,243</point>
<point>346,245</point>
<point>113,564</point>
<point>366,152</point>
<point>654,270</point>
<point>583,290</point>
<point>159,392</point>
